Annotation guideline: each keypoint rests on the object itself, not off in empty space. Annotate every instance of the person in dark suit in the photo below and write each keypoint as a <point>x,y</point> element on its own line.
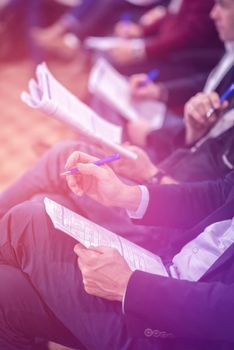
<point>43,295</point>
<point>211,161</point>
<point>176,92</point>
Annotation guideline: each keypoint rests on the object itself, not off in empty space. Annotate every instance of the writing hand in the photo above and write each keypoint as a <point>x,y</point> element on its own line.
<point>140,87</point>
<point>100,183</point>
<point>139,170</point>
<point>196,112</point>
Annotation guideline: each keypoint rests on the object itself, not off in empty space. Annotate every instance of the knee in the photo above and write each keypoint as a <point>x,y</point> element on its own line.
<point>63,149</point>
<point>20,222</point>
<point>26,212</point>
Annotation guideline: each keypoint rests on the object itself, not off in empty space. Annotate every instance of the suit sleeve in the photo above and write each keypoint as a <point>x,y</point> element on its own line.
<point>183,206</point>
<point>183,309</point>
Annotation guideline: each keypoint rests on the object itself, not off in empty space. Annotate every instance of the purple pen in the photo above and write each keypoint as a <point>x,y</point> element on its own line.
<point>102,161</point>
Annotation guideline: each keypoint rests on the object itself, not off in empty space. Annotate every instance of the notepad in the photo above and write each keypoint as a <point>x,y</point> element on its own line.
<point>113,88</point>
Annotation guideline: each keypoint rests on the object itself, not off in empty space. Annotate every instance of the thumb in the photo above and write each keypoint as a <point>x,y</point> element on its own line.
<point>79,248</point>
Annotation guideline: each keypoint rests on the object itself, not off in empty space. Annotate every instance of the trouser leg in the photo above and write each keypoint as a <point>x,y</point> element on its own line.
<point>25,321</point>
<point>28,241</point>
<point>41,178</point>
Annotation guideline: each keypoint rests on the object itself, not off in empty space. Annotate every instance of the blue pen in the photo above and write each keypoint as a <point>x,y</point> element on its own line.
<point>227,93</point>
<point>126,17</point>
<point>151,76</point>
<point>223,98</point>
<point>102,161</point>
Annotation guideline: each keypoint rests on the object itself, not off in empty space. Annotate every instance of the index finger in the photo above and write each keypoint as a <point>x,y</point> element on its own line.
<point>78,157</point>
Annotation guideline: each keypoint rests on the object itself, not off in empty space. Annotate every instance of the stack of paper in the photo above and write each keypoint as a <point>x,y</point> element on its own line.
<point>48,95</point>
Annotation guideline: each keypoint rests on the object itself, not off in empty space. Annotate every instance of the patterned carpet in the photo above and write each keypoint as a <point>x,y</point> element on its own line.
<point>24,133</point>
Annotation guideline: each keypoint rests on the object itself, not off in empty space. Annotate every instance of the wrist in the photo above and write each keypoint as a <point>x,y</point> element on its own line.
<point>151,172</point>
<point>129,198</point>
<point>156,178</point>
<point>123,285</point>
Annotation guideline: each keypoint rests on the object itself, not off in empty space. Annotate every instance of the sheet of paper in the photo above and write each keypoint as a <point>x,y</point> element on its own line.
<point>111,86</point>
<point>47,94</point>
<point>102,43</point>
<point>91,234</point>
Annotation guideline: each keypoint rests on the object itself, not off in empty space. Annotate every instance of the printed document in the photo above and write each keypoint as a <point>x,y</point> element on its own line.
<point>50,96</point>
<point>91,234</point>
<point>113,87</point>
<point>107,42</point>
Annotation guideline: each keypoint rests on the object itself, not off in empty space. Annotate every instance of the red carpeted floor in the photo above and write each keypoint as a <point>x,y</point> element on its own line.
<point>25,133</point>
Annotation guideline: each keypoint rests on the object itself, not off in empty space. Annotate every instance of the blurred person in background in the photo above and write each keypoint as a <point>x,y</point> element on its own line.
<point>85,18</point>
<point>175,39</point>
<point>221,77</point>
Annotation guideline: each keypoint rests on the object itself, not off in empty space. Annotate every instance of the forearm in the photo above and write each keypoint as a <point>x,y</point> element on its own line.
<point>129,198</point>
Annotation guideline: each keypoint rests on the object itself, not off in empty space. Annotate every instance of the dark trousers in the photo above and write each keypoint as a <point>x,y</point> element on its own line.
<point>41,290</point>
<point>25,320</point>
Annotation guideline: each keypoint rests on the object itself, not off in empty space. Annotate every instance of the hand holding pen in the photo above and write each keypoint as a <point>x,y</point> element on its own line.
<point>127,28</point>
<point>224,97</point>
<point>143,86</point>
<point>201,111</point>
<point>106,160</point>
<point>100,182</point>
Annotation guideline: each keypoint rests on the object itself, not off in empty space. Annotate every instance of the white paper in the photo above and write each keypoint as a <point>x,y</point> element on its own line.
<point>47,94</point>
<point>109,42</point>
<point>91,234</point>
<point>102,43</point>
<point>113,87</point>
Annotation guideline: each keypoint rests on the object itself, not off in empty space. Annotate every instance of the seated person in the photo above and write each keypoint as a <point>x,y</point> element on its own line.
<point>211,160</point>
<point>177,43</point>
<point>43,295</point>
<point>174,93</point>
<point>80,21</point>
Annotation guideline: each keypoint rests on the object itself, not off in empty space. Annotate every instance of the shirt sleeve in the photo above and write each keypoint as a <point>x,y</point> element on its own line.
<point>140,212</point>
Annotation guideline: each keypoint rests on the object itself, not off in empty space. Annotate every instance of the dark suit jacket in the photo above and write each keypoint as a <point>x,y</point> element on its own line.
<point>166,140</point>
<point>183,314</point>
<point>180,90</point>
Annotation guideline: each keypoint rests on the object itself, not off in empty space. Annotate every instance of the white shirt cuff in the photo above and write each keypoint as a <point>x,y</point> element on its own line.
<point>140,212</point>
<point>123,300</point>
